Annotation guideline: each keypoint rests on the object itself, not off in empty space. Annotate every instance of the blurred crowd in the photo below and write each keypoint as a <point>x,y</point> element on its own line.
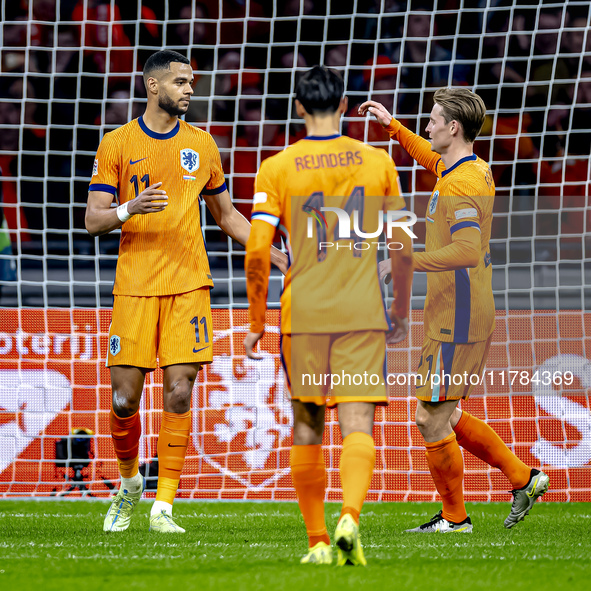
<point>71,71</point>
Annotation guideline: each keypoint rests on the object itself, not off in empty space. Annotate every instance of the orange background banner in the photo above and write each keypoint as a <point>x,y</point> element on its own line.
<point>53,380</point>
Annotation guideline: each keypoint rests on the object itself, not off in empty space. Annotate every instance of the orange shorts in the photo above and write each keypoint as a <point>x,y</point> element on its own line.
<point>334,368</point>
<point>450,371</point>
<point>175,329</point>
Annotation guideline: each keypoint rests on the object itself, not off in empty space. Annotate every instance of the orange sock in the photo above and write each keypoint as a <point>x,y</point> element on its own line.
<point>447,469</point>
<point>357,463</point>
<point>172,449</point>
<point>481,440</point>
<point>126,439</point>
<point>308,473</point>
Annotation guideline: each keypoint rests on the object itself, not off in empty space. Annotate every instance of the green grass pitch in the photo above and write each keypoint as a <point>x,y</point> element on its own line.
<point>60,545</point>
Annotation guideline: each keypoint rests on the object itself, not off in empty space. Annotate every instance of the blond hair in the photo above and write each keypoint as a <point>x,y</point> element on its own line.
<point>465,107</point>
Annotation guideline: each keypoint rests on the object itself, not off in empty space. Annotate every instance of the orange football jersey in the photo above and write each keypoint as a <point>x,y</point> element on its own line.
<point>160,253</point>
<point>332,288</point>
<point>460,307</point>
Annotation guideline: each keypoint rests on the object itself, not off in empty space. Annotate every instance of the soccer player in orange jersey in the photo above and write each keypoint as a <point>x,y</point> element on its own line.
<point>459,308</point>
<point>158,167</point>
<point>333,319</point>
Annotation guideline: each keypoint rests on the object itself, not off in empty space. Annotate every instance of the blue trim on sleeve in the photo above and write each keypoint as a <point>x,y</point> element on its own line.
<point>470,158</point>
<point>462,321</point>
<point>158,136</point>
<point>318,138</point>
<point>105,188</point>
<point>217,191</point>
<point>467,224</point>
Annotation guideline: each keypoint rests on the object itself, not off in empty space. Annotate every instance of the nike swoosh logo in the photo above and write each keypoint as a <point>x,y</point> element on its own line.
<point>171,445</point>
<point>132,162</point>
<point>198,350</point>
<point>533,492</point>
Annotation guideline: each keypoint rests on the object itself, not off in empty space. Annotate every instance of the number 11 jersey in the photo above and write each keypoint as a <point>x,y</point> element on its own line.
<point>160,253</point>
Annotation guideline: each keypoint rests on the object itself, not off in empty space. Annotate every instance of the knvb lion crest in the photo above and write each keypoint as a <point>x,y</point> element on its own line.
<point>189,160</point>
<point>115,345</point>
<point>433,203</point>
<point>243,417</point>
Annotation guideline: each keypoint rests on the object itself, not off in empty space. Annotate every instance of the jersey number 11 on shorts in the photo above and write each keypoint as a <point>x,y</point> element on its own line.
<point>203,322</point>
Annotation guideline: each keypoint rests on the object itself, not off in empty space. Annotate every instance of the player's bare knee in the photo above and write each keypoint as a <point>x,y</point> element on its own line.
<point>304,434</point>
<point>346,434</point>
<point>356,417</point>
<point>348,429</point>
<point>178,400</point>
<point>308,423</point>
<point>363,424</point>
<point>423,421</point>
<point>456,415</point>
<point>125,402</point>
<point>432,428</point>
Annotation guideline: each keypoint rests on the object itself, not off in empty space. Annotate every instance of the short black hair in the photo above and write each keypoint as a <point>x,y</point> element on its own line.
<point>161,60</point>
<point>320,90</point>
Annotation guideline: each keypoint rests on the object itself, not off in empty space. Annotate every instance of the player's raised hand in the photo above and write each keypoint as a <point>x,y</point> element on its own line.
<point>252,338</point>
<point>385,270</point>
<point>378,111</point>
<point>399,330</point>
<point>150,200</point>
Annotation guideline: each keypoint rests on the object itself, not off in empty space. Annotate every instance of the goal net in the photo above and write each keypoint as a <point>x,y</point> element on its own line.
<point>71,71</point>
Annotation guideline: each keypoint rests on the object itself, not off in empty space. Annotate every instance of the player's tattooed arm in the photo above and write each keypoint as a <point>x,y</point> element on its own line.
<point>257,296</point>
<point>255,278</point>
<point>257,265</point>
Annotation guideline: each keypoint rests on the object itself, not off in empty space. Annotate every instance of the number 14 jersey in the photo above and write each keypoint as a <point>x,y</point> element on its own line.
<point>332,285</point>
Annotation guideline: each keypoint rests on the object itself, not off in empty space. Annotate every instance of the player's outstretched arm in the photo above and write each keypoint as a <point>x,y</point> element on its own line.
<point>101,218</point>
<point>462,253</point>
<point>235,225</point>
<point>257,265</point>
<point>378,110</point>
<point>419,148</point>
